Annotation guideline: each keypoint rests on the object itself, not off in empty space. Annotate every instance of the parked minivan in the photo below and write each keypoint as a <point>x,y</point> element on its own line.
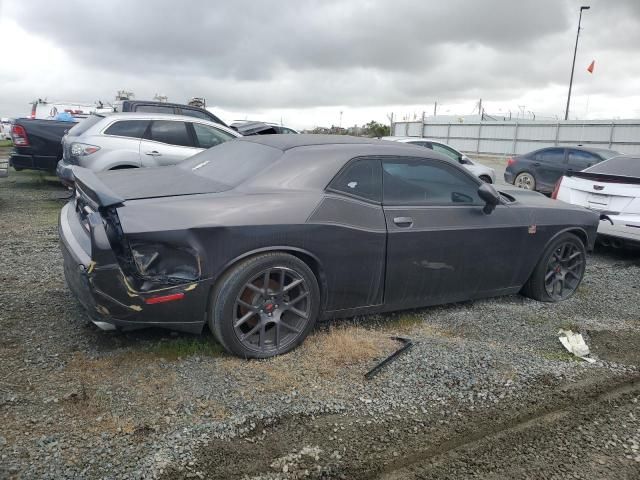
<point>133,140</point>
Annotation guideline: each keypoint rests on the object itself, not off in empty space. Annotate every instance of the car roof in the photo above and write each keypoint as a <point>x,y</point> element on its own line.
<point>580,147</point>
<point>287,142</point>
<point>154,116</point>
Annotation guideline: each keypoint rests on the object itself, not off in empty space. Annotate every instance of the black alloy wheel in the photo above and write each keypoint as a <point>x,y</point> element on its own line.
<point>271,310</point>
<point>265,306</point>
<point>559,271</point>
<point>564,271</point>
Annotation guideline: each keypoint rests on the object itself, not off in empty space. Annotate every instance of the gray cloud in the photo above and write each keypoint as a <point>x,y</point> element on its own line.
<point>303,53</point>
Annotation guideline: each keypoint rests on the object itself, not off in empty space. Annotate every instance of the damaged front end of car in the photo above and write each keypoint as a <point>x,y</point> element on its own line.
<point>128,283</point>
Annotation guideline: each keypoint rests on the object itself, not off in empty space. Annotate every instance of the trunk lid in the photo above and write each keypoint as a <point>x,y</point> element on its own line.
<point>606,193</point>
<point>115,187</point>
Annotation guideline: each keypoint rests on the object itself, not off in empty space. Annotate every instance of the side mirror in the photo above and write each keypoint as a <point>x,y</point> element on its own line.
<point>464,160</point>
<point>490,195</point>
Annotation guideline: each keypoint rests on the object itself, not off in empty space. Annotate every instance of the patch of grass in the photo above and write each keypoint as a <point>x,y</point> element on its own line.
<point>344,345</point>
<point>6,143</point>
<point>181,347</point>
<point>403,321</point>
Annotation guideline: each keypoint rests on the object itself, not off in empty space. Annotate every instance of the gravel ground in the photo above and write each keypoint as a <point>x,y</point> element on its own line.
<point>487,390</point>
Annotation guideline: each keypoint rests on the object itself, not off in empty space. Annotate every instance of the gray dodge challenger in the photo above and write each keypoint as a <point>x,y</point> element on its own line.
<point>261,236</point>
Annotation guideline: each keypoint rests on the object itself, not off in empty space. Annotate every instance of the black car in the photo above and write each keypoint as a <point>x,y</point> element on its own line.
<point>261,236</point>
<point>541,169</point>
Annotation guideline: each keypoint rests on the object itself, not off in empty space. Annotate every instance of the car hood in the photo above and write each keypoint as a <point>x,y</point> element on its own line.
<point>531,198</point>
<point>138,183</point>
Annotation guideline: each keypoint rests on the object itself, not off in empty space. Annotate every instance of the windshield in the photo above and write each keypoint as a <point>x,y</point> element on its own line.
<point>232,162</point>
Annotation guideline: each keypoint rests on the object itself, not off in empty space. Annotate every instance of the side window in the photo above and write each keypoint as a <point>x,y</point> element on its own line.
<point>173,133</point>
<point>426,182</point>
<point>128,128</point>
<point>581,160</point>
<point>452,154</point>
<point>209,136</point>
<point>361,178</point>
<point>195,113</point>
<point>420,143</point>
<point>155,108</point>
<point>551,155</point>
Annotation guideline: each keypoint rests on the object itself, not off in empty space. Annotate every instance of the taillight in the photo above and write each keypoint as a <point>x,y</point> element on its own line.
<point>510,161</point>
<point>556,189</point>
<point>19,136</point>
<point>81,149</point>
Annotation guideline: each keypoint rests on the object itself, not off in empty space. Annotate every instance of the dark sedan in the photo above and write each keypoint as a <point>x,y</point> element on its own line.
<point>261,236</point>
<point>541,169</point>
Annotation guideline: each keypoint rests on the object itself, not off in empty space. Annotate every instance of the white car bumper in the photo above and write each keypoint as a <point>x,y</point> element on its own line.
<point>626,227</point>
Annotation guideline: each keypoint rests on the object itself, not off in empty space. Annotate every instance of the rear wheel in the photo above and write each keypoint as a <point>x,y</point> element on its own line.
<point>525,180</point>
<point>264,306</point>
<point>559,271</point>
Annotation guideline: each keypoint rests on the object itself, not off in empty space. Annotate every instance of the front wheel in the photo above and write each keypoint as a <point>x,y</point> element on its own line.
<point>559,271</point>
<point>265,306</point>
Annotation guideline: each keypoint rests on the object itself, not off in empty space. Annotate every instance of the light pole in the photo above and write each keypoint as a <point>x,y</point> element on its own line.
<point>573,65</point>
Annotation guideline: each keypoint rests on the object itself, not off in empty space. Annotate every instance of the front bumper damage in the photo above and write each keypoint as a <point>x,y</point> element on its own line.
<point>96,278</point>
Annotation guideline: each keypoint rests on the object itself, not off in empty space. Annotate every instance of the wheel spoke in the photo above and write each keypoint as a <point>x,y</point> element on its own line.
<point>265,281</point>
<point>259,290</point>
<point>252,331</point>
<point>575,254</point>
<point>263,334</point>
<point>282,280</point>
<point>246,305</point>
<point>241,321</point>
<point>574,266</point>
<point>573,274</point>
<point>299,313</point>
<point>300,297</point>
<point>549,274</point>
<point>293,284</point>
<point>290,327</point>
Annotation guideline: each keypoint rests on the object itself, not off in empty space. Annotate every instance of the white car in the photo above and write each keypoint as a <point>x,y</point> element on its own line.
<point>484,173</point>
<point>5,129</point>
<point>611,187</point>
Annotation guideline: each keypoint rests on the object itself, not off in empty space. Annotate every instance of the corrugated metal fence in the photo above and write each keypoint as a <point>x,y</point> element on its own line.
<point>509,137</point>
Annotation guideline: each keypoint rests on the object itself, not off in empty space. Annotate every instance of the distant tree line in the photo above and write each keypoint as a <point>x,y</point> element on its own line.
<point>371,129</point>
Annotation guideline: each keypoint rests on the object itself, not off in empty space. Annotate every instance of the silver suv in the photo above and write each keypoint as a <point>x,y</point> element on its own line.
<point>132,140</point>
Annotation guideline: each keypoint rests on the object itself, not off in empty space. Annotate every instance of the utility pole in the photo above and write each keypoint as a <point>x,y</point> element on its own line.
<point>573,65</point>
<point>435,108</point>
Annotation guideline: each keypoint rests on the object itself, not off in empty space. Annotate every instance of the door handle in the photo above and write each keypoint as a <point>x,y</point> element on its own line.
<point>153,153</point>
<point>405,222</point>
<point>536,164</point>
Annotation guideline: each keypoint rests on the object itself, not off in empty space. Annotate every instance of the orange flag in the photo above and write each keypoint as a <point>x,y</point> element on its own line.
<point>591,66</point>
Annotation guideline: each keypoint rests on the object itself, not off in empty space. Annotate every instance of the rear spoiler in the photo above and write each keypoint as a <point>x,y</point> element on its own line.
<point>605,177</point>
<point>88,184</point>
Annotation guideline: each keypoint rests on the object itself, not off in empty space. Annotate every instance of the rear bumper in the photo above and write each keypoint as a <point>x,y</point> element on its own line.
<point>64,171</point>
<point>33,162</point>
<point>509,177</point>
<point>95,278</point>
<point>625,227</point>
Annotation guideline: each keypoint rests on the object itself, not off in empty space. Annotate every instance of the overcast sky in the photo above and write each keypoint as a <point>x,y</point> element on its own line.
<point>305,61</point>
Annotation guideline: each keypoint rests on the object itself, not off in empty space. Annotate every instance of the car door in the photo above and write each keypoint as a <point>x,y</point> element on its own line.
<point>167,142</point>
<point>548,166</point>
<point>441,247</point>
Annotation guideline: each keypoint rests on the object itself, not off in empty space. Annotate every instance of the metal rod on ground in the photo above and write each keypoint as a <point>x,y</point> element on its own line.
<point>407,344</point>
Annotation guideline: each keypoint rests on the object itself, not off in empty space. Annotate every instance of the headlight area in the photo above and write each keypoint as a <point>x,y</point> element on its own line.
<point>161,265</point>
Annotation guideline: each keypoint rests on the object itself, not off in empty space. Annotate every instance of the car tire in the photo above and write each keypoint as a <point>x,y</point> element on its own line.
<point>525,180</point>
<point>252,321</point>
<point>562,264</point>
<point>485,178</point>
